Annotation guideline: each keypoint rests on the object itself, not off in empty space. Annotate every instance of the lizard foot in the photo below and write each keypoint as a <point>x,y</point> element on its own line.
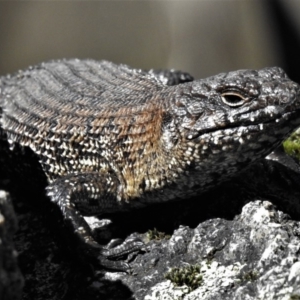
<point>111,255</point>
<point>84,194</point>
<point>116,249</point>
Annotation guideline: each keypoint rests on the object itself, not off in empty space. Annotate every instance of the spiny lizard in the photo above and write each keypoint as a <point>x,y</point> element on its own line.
<point>110,138</point>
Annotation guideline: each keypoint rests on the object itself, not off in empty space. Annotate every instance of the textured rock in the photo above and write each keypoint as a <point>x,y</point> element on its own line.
<point>242,251</point>
<point>11,280</point>
<point>254,256</point>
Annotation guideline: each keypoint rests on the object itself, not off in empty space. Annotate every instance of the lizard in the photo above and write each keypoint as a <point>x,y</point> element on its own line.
<point>111,138</point>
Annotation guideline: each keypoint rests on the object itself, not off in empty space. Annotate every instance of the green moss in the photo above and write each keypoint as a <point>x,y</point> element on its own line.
<point>157,235</point>
<point>189,276</point>
<point>292,145</point>
<point>295,297</point>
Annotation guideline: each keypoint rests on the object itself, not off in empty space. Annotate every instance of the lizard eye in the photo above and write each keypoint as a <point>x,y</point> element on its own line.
<point>233,99</point>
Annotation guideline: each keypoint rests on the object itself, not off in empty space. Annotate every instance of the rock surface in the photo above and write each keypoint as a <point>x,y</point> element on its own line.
<point>11,280</point>
<point>255,256</point>
<point>228,247</point>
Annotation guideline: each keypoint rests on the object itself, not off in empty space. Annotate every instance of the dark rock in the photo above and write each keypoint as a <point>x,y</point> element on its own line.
<point>255,256</point>
<point>11,280</point>
<point>245,251</point>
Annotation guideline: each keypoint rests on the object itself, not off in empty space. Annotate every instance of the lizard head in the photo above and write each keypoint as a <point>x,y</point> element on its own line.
<point>235,117</point>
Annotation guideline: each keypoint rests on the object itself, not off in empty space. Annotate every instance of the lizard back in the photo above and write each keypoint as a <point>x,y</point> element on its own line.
<point>83,116</point>
<point>69,111</point>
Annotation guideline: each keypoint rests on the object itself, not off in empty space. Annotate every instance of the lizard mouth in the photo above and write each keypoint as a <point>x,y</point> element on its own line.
<point>252,126</point>
<point>255,120</point>
<point>272,119</point>
<point>272,130</point>
<point>291,118</point>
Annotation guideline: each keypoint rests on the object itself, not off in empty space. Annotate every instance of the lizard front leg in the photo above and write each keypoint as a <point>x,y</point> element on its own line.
<point>91,194</point>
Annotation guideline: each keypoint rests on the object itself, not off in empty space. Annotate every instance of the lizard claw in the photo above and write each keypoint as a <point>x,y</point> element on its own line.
<point>115,250</point>
<point>128,246</point>
<point>114,265</point>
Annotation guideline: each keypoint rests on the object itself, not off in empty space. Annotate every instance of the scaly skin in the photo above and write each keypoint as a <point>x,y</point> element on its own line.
<point>110,138</point>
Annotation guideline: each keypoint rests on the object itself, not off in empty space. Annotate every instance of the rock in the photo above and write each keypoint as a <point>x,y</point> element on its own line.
<point>255,256</point>
<point>228,247</point>
<point>11,279</point>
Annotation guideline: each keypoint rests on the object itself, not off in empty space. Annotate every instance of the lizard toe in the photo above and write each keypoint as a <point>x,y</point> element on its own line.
<point>130,245</point>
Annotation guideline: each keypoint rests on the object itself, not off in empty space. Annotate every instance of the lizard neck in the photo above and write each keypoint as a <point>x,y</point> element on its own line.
<point>160,157</point>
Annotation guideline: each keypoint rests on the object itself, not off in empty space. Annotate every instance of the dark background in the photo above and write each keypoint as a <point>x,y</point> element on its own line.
<point>201,37</point>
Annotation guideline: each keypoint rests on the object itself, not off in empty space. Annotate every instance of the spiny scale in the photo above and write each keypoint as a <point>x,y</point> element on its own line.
<point>111,138</point>
<point>69,112</point>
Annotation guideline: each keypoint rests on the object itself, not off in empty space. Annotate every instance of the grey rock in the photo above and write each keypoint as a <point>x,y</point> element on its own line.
<point>243,250</point>
<point>255,256</point>
<point>11,279</point>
